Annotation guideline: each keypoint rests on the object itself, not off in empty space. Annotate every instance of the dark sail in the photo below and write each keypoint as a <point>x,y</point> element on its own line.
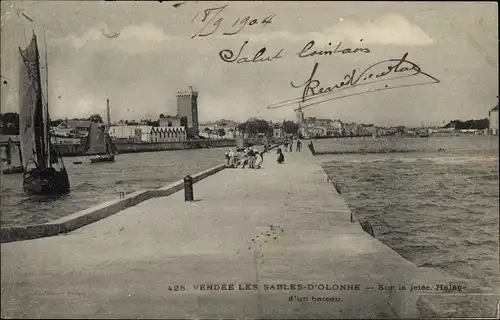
<point>44,171</point>
<point>112,149</point>
<point>31,126</point>
<point>8,151</point>
<point>96,139</point>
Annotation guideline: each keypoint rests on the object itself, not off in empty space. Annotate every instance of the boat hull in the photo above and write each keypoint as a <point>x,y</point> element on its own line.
<point>100,159</point>
<point>46,181</point>
<point>11,170</point>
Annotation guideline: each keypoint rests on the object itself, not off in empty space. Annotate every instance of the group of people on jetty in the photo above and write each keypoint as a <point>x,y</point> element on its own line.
<point>253,158</point>
<point>243,157</point>
<point>288,144</point>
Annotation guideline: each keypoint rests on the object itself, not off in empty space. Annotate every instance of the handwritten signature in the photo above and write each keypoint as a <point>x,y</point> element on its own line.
<point>238,25</point>
<point>399,68</point>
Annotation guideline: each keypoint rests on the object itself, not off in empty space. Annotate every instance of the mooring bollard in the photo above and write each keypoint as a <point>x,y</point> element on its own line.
<point>188,188</point>
<point>311,147</point>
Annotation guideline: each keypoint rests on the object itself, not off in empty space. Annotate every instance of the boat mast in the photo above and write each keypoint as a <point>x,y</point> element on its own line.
<point>39,114</point>
<point>106,126</point>
<point>8,152</point>
<point>47,134</point>
<point>20,155</point>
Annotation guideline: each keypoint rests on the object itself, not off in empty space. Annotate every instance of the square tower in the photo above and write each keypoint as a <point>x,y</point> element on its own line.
<point>187,108</point>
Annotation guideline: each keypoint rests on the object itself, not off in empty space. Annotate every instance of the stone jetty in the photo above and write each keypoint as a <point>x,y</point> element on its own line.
<point>276,242</point>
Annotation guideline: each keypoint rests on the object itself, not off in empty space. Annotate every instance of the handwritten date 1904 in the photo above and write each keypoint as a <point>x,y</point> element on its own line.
<point>211,25</point>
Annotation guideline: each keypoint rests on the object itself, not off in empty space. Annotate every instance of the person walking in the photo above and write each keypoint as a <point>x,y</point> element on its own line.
<point>299,144</point>
<point>281,156</point>
<point>251,158</point>
<point>231,158</point>
<point>286,145</point>
<point>291,145</point>
<point>258,160</point>
<point>227,157</point>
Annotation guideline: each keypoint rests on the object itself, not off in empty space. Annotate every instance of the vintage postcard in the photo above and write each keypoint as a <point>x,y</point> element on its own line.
<point>252,159</point>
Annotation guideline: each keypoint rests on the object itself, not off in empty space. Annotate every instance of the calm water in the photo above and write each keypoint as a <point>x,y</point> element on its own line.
<point>92,184</point>
<point>437,209</point>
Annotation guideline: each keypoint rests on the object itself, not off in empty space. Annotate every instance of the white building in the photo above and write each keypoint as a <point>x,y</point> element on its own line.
<point>278,131</point>
<point>72,128</point>
<point>169,121</point>
<point>493,119</point>
<point>125,132</point>
<point>62,131</point>
<point>213,131</point>
<point>337,128</point>
<point>317,131</point>
<point>145,133</point>
<point>142,133</point>
<point>161,134</point>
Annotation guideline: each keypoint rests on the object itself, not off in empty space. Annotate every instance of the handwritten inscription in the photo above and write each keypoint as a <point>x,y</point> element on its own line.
<point>212,20</point>
<point>386,70</point>
<point>229,56</point>
<point>312,87</point>
<point>308,50</point>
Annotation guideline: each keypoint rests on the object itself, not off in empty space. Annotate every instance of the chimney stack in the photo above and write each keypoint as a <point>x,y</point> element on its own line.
<point>107,113</point>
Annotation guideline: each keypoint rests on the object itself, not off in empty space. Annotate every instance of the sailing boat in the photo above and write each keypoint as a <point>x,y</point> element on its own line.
<point>44,170</point>
<point>14,158</point>
<point>99,137</point>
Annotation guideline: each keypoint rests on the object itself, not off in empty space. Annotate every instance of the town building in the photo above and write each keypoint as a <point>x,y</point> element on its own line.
<point>493,119</point>
<point>169,121</point>
<point>187,106</point>
<point>323,122</point>
<point>317,131</point>
<point>381,131</point>
<point>70,128</point>
<point>141,133</point>
<point>164,134</point>
<point>442,130</point>
<point>125,133</point>
<point>352,129</point>
<point>369,129</point>
<point>218,130</point>
<point>144,133</point>
<point>63,130</point>
<point>278,131</point>
<point>336,128</point>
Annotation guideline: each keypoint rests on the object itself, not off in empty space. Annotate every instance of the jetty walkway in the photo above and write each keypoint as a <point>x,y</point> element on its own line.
<point>277,242</point>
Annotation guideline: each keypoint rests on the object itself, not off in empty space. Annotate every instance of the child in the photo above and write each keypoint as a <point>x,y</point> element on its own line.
<point>281,157</point>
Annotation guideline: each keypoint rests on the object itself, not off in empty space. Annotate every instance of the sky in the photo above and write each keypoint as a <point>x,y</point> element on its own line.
<point>140,53</point>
